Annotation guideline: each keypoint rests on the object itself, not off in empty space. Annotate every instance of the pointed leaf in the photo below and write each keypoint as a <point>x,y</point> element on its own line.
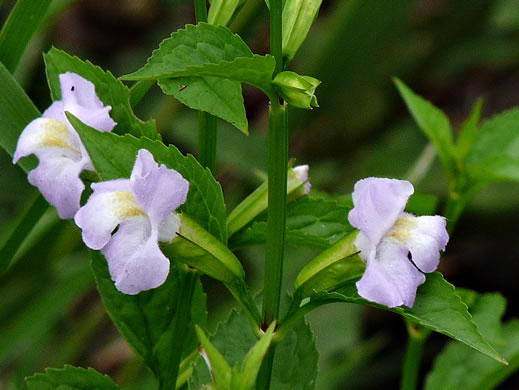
<point>457,366</point>
<point>433,122</point>
<point>204,202</point>
<point>70,378</point>
<point>220,369</point>
<point>295,360</point>
<point>24,20</point>
<point>193,46</point>
<point>217,96</point>
<point>437,307</point>
<point>253,359</point>
<point>16,111</point>
<point>256,71</point>
<point>495,152</point>
<point>468,131</point>
<point>109,90</point>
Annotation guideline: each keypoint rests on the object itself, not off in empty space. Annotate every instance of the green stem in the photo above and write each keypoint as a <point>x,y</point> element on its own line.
<point>277,197</point>
<point>411,367</point>
<point>207,132</point>
<point>180,326</point>
<point>200,11</point>
<point>207,129</point>
<point>138,90</point>
<point>276,34</point>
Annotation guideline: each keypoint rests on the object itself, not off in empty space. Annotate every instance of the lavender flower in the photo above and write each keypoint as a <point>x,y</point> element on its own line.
<point>58,146</point>
<point>387,236</point>
<point>143,208</point>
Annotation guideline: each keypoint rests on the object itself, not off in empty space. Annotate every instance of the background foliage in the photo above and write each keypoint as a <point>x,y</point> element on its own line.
<point>451,52</point>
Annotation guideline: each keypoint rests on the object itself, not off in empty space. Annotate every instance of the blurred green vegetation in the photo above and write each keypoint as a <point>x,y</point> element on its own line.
<point>451,52</point>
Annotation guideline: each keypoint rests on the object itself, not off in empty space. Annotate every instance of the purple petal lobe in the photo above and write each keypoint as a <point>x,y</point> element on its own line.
<point>57,175</point>
<point>425,237</point>
<point>104,211</point>
<point>378,202</point>
<point>134,259</point>
<point>390,278</point>
<point>158,190</point>
<point>79,98</point>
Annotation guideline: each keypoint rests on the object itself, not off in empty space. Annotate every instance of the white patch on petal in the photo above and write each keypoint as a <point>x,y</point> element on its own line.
<point>169,228</point>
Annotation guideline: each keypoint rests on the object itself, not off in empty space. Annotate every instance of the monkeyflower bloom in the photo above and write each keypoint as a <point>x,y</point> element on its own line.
<point>143,207</point>
<point>58,146</point>
<point>388,235</point>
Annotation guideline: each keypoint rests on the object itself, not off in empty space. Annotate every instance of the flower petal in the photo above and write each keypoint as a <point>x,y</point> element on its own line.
<point>79,98</point>
<point>134,259</point>
<point>169,228</point>
<point>109,205</point>
<point>378,202</point>
<point>390,278</point>
<point>61,162</point>
<point>158,190</point>
<point>426,238</point>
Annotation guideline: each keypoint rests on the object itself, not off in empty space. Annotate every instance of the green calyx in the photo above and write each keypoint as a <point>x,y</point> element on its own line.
<point>297,90</point>
<point>336,265</point>
<point>197,248</point>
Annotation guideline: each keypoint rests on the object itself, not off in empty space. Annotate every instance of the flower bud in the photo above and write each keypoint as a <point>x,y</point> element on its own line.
<point>298,16</point>
<point>297,90</point>
<point>298,185</point>
<point>222,11</point>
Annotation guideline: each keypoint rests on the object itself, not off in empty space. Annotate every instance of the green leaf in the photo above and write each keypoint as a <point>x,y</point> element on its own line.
<point>468,131</point>
<point>457,366</point>
<point>437,307</point>
<point>146,320</point>
<point>196,55</point>
<point>295,360</point>
<point>495,152</point>
<point>252,362</point>
<point>256,71</point>
<point>220,369</point>
<point>21,25</point>
<point>16,111</point>
<point>433,122</point>
<point>311,222</point>
<point>193,46</point>
<point>39,316</point>
<point>109,90</point>
<point>70,378</point>
<point>217,96</point>
<point>204,202</point>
